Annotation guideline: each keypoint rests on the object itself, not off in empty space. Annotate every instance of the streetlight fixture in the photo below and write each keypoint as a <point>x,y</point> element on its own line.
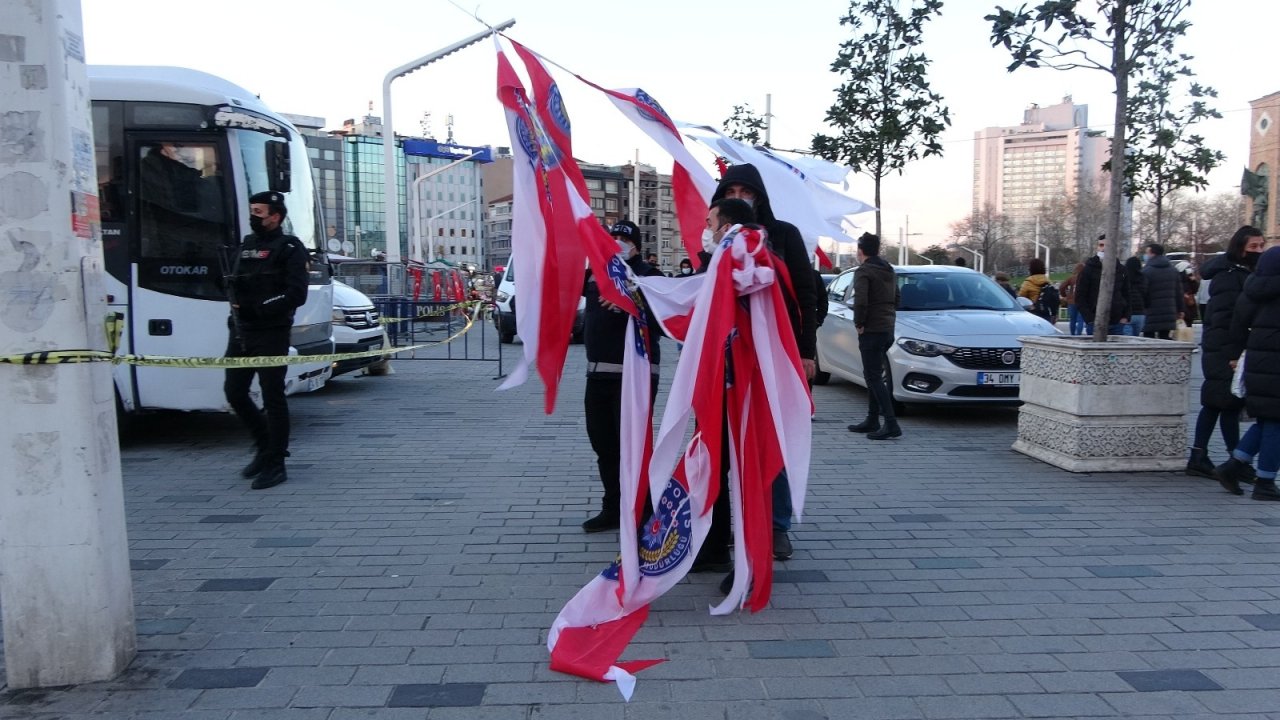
<point>979,259</point>
<point>926,258</point>
<point>391,195</point>
<point>904,252</point>
<point>431,252</point>
<point>1048,268</point>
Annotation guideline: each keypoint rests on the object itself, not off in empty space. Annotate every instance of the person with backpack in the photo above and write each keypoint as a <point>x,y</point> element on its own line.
<point>1036,285</point>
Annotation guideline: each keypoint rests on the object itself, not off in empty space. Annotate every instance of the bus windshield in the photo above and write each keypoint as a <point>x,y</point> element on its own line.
<point>300,200</point>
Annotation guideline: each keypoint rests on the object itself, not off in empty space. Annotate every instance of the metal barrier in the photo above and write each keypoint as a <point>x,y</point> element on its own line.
<point>415,322</point>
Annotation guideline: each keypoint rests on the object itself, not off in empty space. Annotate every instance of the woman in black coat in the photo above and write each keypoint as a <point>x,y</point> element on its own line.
<point>1226,274</point>
<point>1137,297</point>
<point>1255,328</point>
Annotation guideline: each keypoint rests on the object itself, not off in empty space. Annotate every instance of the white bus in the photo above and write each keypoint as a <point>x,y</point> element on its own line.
<point>178,154</point>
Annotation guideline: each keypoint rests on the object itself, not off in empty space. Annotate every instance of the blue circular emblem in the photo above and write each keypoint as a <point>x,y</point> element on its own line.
<point>536,144</point>
<point>667,537</point>
<point>650,107</point>
<point>555,104</point>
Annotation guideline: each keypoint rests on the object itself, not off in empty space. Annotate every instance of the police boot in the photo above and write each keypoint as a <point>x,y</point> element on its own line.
<point>1199,465</point>
<point>255,465</point>
<point>273,473</point>
<point>600,523</point>
<point>890,430</point>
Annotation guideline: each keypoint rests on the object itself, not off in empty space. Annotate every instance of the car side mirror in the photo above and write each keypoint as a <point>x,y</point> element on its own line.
<point>1025,303</point>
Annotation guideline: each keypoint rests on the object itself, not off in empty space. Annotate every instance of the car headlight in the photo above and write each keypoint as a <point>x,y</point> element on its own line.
<point>503,297</point>
<point>924,348</point>
<point>339,317</point>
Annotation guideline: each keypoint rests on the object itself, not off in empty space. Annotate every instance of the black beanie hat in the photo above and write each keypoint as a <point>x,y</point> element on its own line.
<point>1269,263</point>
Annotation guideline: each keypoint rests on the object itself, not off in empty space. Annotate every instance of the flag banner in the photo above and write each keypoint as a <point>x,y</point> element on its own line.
<point>800,189</point>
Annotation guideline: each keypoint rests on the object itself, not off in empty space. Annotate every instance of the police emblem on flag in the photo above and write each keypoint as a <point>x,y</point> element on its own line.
<point>650,108</point>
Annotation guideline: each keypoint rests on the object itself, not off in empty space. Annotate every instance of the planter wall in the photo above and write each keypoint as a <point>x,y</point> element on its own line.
<point>1117,406</point>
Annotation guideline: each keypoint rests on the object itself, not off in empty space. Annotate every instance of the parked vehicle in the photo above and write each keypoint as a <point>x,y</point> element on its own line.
<point>357,327</point>
<point>956,339</point>
<point>504,319</point>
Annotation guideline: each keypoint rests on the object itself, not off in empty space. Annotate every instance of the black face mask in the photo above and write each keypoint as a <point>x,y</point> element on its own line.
<point>1251,259</point>
<point>255,224</point>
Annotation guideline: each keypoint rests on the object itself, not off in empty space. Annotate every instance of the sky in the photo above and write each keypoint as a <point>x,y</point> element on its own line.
<point>328,58</point>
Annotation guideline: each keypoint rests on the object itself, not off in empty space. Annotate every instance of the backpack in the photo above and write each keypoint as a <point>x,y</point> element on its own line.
<point>1049,301</point>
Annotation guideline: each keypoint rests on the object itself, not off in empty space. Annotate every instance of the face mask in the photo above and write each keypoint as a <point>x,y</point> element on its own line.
<point>686,271</point>
<point>1147,258</point>
<point>751,202</point>
<point>1251,258</point>
<point>255,224</point>
<point>708,240</point>
<point>624,247</point>
<point>1101,255</point>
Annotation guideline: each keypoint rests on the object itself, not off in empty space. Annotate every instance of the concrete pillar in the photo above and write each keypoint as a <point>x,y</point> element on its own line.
<point>65,591</point>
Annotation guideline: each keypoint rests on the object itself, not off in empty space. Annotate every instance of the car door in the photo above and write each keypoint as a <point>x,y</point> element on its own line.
<point>837,338</point>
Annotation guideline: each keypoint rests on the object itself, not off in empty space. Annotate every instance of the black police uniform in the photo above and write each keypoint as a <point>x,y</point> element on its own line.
<point>268,283</point>
<point>605,339</point>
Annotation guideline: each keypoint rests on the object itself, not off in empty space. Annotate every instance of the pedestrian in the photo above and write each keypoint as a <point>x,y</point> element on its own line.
<point>1033,287</point>
<point>686,268</point>
<point>1087,290</point>
<point>267,283</point>
<point>1190,291</point>
<point>960,261</point>
<point>1002,279</point>
<point>1137,296</point>
<point>875,314</point>
<point>743,182</point>
<point>1225,275</point>
<point>604,333</point>
<point>1163,296</point>
<point>1067,289</point>
<point>1255,330</point>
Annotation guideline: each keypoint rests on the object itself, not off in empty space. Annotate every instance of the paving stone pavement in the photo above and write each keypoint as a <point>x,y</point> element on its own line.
<point>429,533</point>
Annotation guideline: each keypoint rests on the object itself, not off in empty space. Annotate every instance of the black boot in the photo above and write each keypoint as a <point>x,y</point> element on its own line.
<point>890,430</point>
<point>1266,490</point>
<point>1199,465</point>
<point>255,465</point>
<point>604,521</point>
<point>1229,474</point>
<point>871,424</point>
<point>273,473</point>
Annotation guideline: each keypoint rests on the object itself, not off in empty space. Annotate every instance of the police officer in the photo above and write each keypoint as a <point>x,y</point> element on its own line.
<point>605,337</point>
<point>268,282</point>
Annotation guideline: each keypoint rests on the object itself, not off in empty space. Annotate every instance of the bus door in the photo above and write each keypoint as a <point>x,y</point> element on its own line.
<point>184,220</point>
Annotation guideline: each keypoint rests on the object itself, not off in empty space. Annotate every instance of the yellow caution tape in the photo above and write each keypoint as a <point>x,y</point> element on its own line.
<point>65,357</point>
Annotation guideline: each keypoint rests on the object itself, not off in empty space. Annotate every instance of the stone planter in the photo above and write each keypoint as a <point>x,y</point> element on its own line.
<point>1104,407</point>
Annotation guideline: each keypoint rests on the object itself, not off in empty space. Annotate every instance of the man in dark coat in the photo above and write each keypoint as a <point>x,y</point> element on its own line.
<point>743,182</point>
<point>875,315</point>
<point>1255,330</point>
<point>1164,296</point>
<point>605,337</point>
<point>1225,274</point>
<point>1087,287</point>
<point>268,282</point>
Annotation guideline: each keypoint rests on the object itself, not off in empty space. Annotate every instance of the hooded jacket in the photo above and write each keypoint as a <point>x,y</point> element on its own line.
<point>875,296</point>
<point>1164,294</point>
<point>1088,284</point>
<point>785,242</point>
<point>1225,278</point>
<point>1255,327</point>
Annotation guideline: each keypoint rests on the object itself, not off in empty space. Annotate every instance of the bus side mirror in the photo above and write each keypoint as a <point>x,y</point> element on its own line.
<point>279,177</point>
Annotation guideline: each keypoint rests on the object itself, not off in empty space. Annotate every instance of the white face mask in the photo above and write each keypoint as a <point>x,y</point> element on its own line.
<point>624,247</point>
<point>1102,255</point>
<point>709,240</point>
<point>686,271</point>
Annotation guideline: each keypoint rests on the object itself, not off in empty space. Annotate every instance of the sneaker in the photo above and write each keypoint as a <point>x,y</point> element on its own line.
<point>272,475</point>
<point>601,523</point>
<point>712,561</point>
<point>782,549</point>
<point>1228,475</point>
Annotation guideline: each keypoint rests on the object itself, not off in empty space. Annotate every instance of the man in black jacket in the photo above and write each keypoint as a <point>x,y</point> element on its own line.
<point>743,182</point>
<point>1164,297</point>
<point>605,337</point>
<point>875,314</point>
<point>268,282</point>
<point>1087,287</point>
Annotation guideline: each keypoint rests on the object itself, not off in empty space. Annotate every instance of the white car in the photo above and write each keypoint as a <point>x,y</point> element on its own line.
<point>357,327</point>
<point>956,339</point>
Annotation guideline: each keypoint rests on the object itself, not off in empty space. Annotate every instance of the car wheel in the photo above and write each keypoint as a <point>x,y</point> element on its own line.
<point>820,377</point>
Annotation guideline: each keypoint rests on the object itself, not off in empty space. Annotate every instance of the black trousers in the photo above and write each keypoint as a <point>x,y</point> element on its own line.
<point>270,433</point>
<point>872,347</point>
<point>602,402</point>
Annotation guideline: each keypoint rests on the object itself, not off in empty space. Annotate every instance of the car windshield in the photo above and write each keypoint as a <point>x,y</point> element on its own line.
<point>952,291</point>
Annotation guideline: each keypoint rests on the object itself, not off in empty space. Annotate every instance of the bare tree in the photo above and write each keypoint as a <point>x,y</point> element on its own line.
<point>990,233</point>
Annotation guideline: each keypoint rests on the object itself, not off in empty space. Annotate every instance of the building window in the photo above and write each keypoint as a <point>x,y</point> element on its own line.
<point>611,186</point>
<point>611,204</point>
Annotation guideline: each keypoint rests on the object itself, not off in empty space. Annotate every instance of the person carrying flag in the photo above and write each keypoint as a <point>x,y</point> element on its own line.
<point>605,337</point>
<point>743,182</point>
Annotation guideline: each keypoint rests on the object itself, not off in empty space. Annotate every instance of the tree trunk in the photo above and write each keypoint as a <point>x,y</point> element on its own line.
<point>878,178</point>
<point>1120,67</point>
<point>1160,234</point>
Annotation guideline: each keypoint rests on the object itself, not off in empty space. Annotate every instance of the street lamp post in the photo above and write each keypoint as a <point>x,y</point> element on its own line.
<point>431,254</point>
<point>979,259</point>
<point>413,198</point>
<point>1048,268</point>
<point>391,196</point>
<point>926,258</point>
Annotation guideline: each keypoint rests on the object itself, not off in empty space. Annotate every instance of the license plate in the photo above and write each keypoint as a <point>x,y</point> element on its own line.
<point>1000,378</point>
